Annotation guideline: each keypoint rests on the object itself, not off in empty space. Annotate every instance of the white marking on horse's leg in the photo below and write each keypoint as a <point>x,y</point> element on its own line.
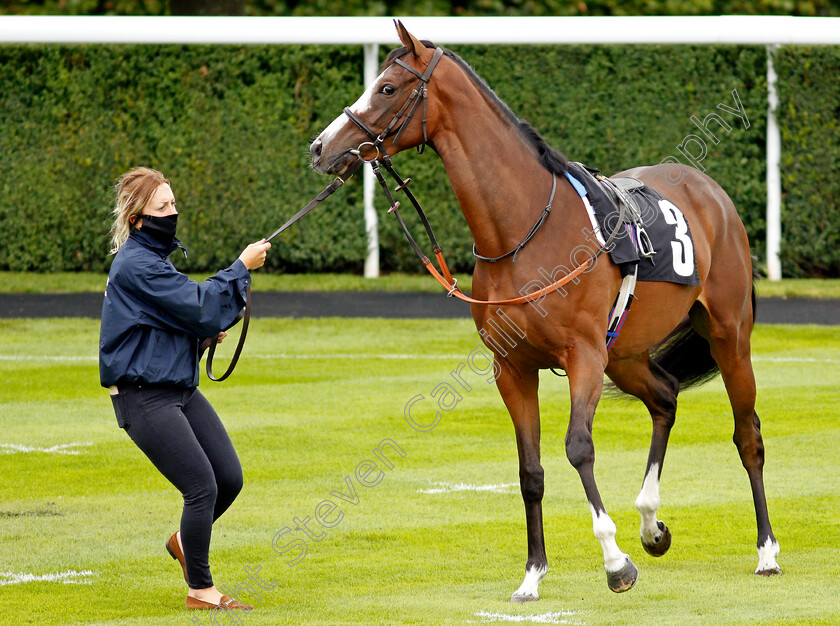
<point>767,557</point>
<point>359,107</point>
<point>648,504</point>
<point>604,529</point>
<point>529,589</point>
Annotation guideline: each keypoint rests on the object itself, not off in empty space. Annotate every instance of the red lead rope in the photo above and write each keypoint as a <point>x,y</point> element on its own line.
<point>451,286</point>
<point>444,276</point>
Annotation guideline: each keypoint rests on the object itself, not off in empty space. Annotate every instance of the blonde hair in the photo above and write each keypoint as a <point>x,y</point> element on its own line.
<point>134,191</point>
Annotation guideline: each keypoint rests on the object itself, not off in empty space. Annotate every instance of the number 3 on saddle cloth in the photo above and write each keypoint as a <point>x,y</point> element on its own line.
<point>655,244</point>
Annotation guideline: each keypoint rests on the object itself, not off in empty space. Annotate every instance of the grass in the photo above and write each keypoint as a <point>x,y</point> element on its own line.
<point>78,282</point>
<point>311,400</point>
<point>799,288</point>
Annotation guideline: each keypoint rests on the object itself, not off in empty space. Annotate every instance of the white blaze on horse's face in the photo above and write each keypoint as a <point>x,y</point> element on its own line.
<point>360,107</point>
<point>330,150</point>
<point>375,108</point>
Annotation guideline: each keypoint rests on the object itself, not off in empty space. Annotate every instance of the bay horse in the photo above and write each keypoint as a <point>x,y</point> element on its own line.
<point>502,171</point>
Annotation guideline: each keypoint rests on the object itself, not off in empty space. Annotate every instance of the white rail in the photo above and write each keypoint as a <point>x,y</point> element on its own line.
<point>371,31</point>
<point>727,29</point>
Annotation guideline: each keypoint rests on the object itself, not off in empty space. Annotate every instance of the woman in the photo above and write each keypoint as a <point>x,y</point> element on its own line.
<point>153,319</point>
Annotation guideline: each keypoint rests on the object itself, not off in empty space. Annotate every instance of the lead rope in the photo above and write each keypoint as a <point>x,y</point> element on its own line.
<point>245,314</point>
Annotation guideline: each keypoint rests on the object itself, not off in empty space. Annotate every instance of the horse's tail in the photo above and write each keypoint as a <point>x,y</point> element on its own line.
<point>685,354</point>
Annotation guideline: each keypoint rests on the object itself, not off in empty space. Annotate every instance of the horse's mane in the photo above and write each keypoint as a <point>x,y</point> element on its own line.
<point>550,158</point>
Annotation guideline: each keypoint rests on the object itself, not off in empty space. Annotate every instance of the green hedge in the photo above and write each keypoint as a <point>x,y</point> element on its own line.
<point>230,126</point>
<point>809,118</point>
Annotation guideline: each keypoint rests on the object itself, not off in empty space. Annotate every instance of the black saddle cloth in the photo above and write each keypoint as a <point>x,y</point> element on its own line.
<point>663,221</point>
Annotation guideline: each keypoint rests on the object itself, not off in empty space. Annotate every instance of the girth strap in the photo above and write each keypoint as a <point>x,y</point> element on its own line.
<point>622,306</point>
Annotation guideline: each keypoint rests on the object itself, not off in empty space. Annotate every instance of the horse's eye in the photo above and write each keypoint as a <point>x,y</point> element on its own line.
<point>388,90</point>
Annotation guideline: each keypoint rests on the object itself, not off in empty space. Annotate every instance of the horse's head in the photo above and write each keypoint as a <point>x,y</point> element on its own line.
<point>383,119</point>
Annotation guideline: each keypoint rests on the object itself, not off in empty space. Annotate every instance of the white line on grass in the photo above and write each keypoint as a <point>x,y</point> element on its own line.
<point>556,617</point>
<point>71,577</point>
<point>352,355</point>
<point>62,448</point>
<point>452,488</point>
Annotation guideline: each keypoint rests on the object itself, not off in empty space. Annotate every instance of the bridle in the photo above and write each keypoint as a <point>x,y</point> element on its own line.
<point>373,152</point>
<point>409,107</point>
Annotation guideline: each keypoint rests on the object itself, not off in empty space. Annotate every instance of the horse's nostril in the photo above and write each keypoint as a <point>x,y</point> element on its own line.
<point>315,149</point>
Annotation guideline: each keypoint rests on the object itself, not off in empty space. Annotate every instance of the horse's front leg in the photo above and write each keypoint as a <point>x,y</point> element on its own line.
<point>586,376</point>
<point>520,394</point>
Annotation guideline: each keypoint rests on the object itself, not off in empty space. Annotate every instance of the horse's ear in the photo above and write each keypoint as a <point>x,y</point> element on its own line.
<point>408,40</point>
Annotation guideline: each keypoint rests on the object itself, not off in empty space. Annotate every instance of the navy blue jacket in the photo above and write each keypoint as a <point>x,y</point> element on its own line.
<point>153,315</point>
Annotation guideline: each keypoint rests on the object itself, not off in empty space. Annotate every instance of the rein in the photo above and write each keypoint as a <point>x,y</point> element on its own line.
<point>245,314</point>
<point>444,276</point>
<point>372,152</point>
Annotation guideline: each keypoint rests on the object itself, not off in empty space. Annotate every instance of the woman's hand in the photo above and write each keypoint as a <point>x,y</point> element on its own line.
<point>221,336</point>
<point>254,255</point>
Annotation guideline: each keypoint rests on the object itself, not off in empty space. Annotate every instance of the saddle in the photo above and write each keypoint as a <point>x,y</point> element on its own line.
<point>621,188</point>
<point>619,191</point>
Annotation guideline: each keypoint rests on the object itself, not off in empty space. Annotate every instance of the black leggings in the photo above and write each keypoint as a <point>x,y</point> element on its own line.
<point>185,440</point>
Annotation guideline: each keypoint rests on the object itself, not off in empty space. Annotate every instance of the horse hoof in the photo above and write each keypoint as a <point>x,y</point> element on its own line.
<point>529,589</point>
<point>623,579</point>
<point>773,571</point>
<point>661,545</point>
<point>521,597</point>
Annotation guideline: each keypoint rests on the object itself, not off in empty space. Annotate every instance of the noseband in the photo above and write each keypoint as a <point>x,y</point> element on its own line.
<point>408,109</point>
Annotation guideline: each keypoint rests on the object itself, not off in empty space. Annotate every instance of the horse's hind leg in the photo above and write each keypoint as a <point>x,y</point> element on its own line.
<point>730,346</point>
<point>657,389</point>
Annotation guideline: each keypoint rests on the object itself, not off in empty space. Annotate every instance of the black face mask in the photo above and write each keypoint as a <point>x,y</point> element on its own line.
<point>161,228</point>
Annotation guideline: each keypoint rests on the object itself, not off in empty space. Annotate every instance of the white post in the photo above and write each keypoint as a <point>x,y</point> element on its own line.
<point>774,179</point>
<point>371,222</point>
